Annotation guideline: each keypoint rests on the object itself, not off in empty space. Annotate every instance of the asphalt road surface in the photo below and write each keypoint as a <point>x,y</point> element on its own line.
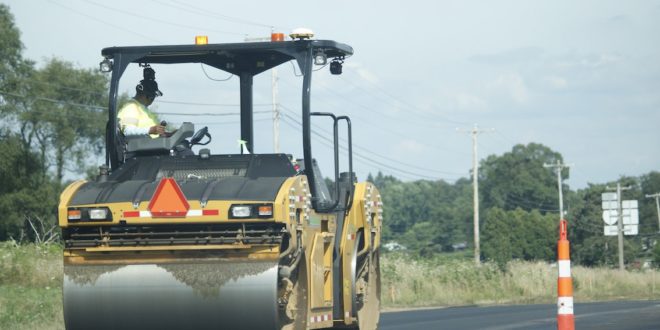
<point>636,315</point>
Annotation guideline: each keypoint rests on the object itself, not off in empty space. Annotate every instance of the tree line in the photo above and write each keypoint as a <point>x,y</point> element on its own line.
<point>519,212</point>
<point>51,124</point>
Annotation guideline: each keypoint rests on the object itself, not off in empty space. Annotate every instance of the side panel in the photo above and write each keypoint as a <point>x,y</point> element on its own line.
<point>316,233</point>
<point>361,236</point>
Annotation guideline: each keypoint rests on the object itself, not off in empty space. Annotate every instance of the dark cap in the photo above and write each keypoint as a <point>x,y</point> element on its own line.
<point>148,88</point>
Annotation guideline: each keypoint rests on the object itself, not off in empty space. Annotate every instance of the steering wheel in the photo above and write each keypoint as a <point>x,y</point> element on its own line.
<point>199,135</point>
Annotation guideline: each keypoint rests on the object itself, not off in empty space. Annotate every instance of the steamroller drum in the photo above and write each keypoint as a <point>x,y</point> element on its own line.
<point>368,305</point>
<point>216,294</point>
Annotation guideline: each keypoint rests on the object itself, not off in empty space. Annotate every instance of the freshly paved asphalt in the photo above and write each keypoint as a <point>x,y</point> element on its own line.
<point>635,315</point>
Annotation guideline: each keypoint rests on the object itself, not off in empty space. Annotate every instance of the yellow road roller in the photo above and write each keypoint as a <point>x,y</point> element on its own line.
<point>169,238</point>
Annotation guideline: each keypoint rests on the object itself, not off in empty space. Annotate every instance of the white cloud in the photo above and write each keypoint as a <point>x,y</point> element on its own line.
<point>589,61</point>
<point>466,100</point>
<point>409,146</point>
<point>513,85</point>
<point>368,75</point>
<point>556,82</point>
<point>362,72</point>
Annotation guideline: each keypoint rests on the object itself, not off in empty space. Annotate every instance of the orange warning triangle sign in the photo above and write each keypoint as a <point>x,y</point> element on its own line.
<point>168,200</point>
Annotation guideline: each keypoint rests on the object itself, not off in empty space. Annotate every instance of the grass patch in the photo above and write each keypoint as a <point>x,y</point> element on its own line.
<point>30,286</point>
<point>409,282</point>
<point>30,307</point>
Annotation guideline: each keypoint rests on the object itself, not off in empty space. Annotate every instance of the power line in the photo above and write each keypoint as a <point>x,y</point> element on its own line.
<point>378,155</point>
<point>380,114</point>
<point>233,122</point>
<point>370,122</point>
<point>104,22</point>
<point>405,103</point>
<point>53,100</point>
<point>87,91</point>
<point>126,12</point>
<point>285,119</point>
<point>213,114</point>
<point>511,200</point>
<point>97,107</point>
<point>210,104</point>
<point>357,155</point>
<point>205,12</point>
<point>329,143</point>
<point>506,138</point>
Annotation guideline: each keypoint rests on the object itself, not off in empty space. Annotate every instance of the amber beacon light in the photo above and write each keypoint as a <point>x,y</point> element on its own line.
<point>201,40</point>
<point>276,36</point>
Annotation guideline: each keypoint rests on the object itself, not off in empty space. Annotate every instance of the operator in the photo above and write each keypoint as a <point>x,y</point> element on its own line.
<point>134,116</point>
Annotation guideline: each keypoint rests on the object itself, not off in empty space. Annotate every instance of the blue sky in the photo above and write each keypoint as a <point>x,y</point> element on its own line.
<point>582,78</point>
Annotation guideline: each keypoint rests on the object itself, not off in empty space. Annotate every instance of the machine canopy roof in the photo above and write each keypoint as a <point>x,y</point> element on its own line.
<point>236,58</point>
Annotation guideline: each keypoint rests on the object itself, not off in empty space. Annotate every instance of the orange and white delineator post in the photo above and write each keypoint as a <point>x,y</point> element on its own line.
<point>565,317</point>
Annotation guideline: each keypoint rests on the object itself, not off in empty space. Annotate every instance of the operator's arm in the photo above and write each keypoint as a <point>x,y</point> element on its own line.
<point>130,130</point>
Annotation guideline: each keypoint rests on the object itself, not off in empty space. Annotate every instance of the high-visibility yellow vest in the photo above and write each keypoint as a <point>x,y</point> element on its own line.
<point>134,113</point>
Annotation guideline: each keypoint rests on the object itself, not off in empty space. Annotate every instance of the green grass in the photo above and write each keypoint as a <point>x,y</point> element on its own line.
<point>31,284</point>
<point>409,282</point>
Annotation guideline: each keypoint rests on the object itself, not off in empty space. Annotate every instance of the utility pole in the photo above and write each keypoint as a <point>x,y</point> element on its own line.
<point>475,188</point>
<point>620,221</point>
<point>657,205</point>
<point>558,167</point>
<point>276,109</point>
<point>276,112</point>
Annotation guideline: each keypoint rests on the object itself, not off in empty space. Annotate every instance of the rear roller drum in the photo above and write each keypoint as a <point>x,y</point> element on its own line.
<point>368,293</point>
<point>294,308</point>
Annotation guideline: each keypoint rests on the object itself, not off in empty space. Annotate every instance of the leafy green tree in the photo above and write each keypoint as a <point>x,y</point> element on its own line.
<point>51,121</point>
<point>518,234</point>
<point>497,239</point>
<point>517,179</point>
<point>656,255</point>
<point>57,110</point>
<point>67,118</point>
<point>436,210</point>
<point>13,67</point>
<point>22,192</point>
<point>11,58</point>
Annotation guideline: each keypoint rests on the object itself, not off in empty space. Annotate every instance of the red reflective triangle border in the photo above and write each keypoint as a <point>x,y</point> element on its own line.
<point>168,200</point>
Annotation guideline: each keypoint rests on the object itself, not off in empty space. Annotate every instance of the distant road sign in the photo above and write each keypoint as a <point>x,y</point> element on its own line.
<point>631,204</point>
<point>630,216</point>
<point>610,217</point>
<point>609,196</point>
<point>629,213</point>
<point>630,229</point>
<point>627,230</point>
<point>610,230</point>
<point>610,205</point>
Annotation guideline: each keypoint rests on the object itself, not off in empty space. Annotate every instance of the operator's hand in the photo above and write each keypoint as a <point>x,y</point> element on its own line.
<point>158,129</point>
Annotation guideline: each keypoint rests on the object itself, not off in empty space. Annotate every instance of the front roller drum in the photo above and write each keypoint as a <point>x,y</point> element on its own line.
<point>214,294</point>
